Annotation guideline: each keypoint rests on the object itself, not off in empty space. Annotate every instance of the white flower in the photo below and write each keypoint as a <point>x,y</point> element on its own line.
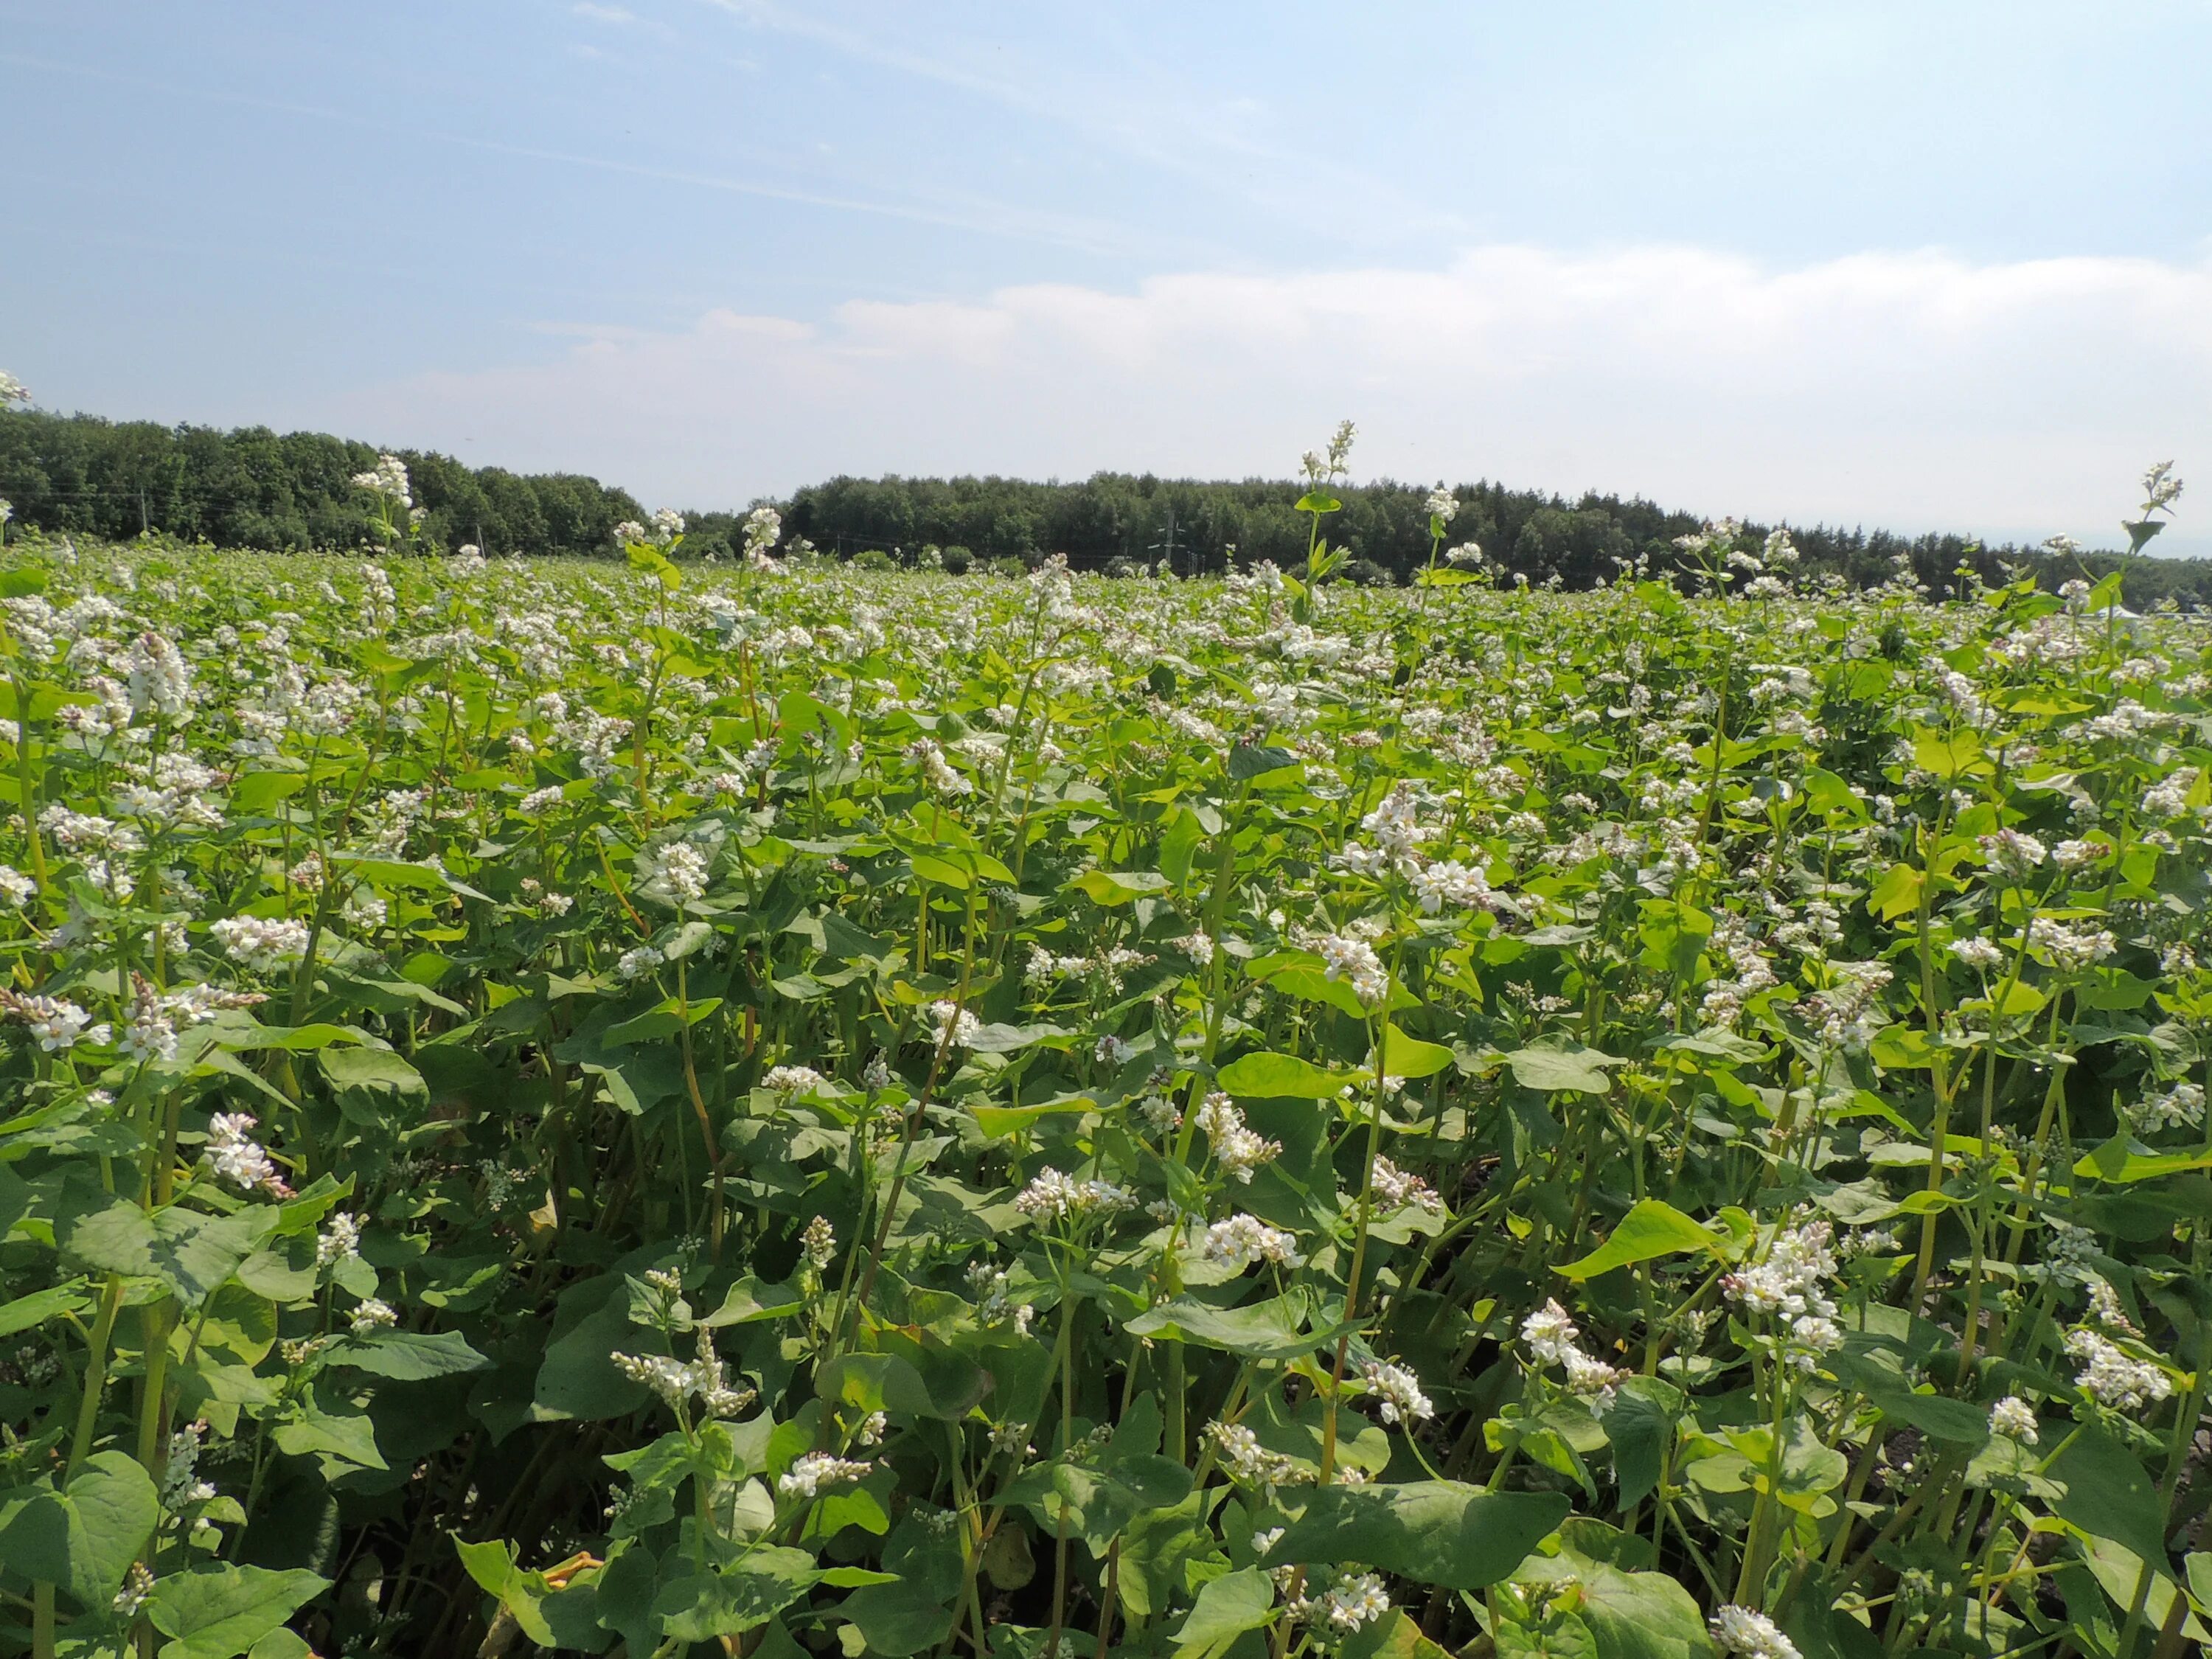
<point>1354,960</point>
<point>2111,1376</point>
<point>263,944</point>
<point>963,1027</point>
<point>1243,1239</point>
<point>2014,1419</point>
<point>1238,1150</point>
<point>2179,1107</point>
<point>234,1154</point>
<point>1246,1461</point>
<point>1754,1635</point>
<point>1350,1600</point>
<point>818,1244</point>
<point>675,874</point>
<point>1198,946</point>
<point>1979,953</point>
<point>675,1381</point>
<point>1398,1390</point>
<point>2071,947</point>
<point>372,1314</point>
<point>16,888</point>
<point>57,1022</point>
<point>2012,852</point>
<point>1396,1188</point>
<point>792,1079</point>
<point>1551,1336</point>
<point>339,1240</point>
<point>1053,1196</point>
<point>807,1476</point>
<point>638,962</point>
<point>1441,504</point>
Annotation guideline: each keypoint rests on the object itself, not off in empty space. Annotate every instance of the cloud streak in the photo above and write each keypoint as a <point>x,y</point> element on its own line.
<point>1912,389</point>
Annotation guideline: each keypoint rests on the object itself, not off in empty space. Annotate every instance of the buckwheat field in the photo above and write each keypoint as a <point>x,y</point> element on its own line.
<point>660,1107</point>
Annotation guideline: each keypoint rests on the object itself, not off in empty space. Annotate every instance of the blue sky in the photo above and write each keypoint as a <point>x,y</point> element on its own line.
<point>1928,265</point>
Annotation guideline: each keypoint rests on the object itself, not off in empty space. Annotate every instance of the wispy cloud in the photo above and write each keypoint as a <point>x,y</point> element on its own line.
<point>949,210</point>
<point>597,14</point>
<point>1912,389</point>
<point>1118,99</point>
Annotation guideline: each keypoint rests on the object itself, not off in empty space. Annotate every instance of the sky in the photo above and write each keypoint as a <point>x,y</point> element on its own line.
<point>1925,266</point>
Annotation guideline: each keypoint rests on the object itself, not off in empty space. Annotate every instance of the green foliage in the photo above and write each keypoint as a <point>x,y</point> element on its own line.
<point>645,1104</point>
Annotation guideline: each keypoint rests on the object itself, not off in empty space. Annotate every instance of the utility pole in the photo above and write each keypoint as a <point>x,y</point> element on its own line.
<point>1168,545</point>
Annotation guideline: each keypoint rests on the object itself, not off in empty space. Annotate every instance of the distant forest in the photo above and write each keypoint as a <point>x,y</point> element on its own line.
<point>256,488</point>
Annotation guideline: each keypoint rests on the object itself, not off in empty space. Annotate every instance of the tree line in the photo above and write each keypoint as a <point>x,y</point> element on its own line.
<point>253,487</point>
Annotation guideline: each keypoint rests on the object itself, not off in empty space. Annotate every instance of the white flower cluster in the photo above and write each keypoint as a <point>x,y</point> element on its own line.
<point>56,1023</point>
<point>2111,1376</point>
<point>1238,1148</point>
<point>1751,1634</point>
<point>2180,1107</point>
<point>993,1306</point>
<point>675,874</point>
<point>2014,1419</point>
<point>1243,1239</point>
<point>160,679</point>
<point>936,770</point>
<point>2071,947</point>
<point>263,944</point>
<point>955,1022</point>
<point>236,1157</point>
<point>1341,1606</point>
<point>1397,1392</point>
<point>676,1382</point>
<point>373,1314</point>
<point>806,1478</point>
<point>181,1486</point>
<point>1395,1189</point>
<point>339,1240</point>
<point>1789,1285</point>
<point>1053,1196</point>
<point>792,1079</point>
<point>387,479</point>
<point>1354,961</point>
<point>1247,1462</point>
<point>1554,1339</point>
<point>817,1243</point>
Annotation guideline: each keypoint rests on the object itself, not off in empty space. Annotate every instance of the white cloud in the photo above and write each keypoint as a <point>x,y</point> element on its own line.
<point>599,14</point>
<point>1907,390</point>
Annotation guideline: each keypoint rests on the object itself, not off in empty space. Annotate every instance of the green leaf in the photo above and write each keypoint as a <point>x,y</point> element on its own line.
<point>1898,892</point>
<point>1227,1608</point>
<point>1285,1076</point>
<point>1553,1070</point>
<point>36,1309</point>
<point>1259,1330</point>
<point>703,1607</point>
<point>1410,1057</point>
<point>221,1612</point>
<point>900,1619</point>
<point>87,1537</point>
<point>1629,1614</point>
<point>1948,757</point>
<point>1113,887</point>
<point>1247,760</point>
<point>1651,1229</point>
<point>407,1355</point>
<point>1433,1532</point>
<point>379,1075</point>
<point>190,1253</point>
